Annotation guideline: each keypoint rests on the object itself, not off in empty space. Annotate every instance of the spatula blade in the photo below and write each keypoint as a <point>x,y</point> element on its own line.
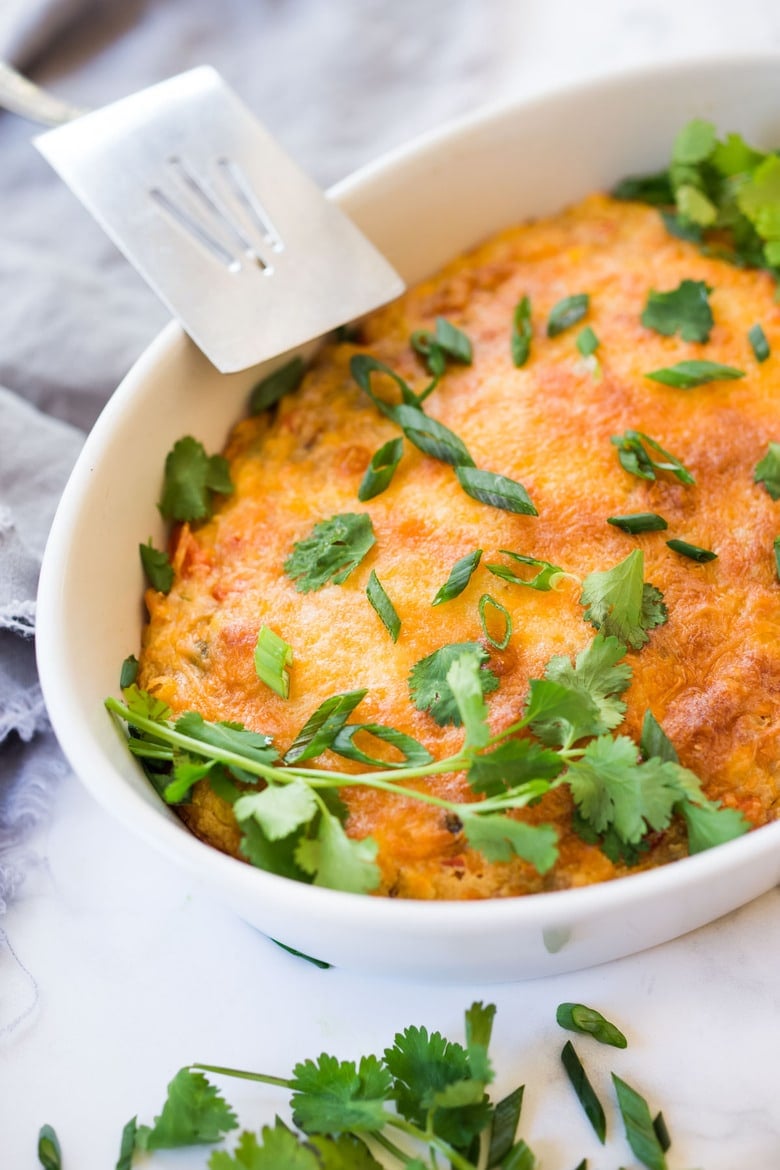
<point>240,245</point>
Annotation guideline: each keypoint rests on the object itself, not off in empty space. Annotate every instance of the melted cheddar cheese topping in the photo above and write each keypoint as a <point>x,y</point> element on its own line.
<point>710,675</point>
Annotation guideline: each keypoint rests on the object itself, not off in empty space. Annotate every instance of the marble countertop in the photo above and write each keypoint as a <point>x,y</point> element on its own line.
<point>115,970</point>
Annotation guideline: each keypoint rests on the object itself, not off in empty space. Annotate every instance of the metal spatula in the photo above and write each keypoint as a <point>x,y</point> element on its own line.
<point>242,247</point>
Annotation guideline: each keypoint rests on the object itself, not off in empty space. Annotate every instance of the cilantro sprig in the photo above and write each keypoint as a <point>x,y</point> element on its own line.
<point>292,818</point>
<point>191,480</point>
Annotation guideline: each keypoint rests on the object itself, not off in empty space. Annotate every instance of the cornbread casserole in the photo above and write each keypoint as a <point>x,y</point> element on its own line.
<point>709,673</point>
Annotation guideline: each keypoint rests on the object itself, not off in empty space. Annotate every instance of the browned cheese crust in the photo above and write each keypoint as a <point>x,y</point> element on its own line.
<point>711,674</point>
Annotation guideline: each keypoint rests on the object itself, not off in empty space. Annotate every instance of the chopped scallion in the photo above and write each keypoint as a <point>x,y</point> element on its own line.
<point>272,657</point>
<point>638,522</point>
<point>693,551</point>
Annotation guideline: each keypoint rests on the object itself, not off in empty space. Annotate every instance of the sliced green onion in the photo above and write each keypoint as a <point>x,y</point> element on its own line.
<point>414,754</point>
<point>579,1018</point>
<point>496,490</point>
<point>702,555</point>
<point>49,1154</point>
<point>638,522</point>
<point>686,375</point>
<point>587,341</point>
<point>321,728</point>
<point>522,332</point>
<point>381,469</point>
<point>586,1094</point>
<point>128,672</point>
<point>376,594</point>
<point>506,1117</point>
<point>640,1131</point>
<point>282,381</point>
<point>272,657</point>
<point>567,313</point>
<point>776,547</point>
<point>661,1132</point>
<point>460,575</point>
<point>543,580</point>
<point>486,600</point>
<point>759,343</point>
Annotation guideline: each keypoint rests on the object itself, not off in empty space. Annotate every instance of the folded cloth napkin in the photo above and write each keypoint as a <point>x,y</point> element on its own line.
<point>35,458</point>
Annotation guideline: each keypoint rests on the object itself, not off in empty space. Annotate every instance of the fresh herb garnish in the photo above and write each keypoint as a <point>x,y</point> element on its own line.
<point>759,343</point>
<point>273,656</point>
<point>640,1131</point>
<point>776,550</point>
<point>522,332</point>
<point>502,642</point>
<point>496,490</point>
<point>192,478</point>
<point>586,1094</point>
<point>767,471</point>
<point>587,341</point>
<point>636,522</point>
<point>566,313</point>
<point>276,385</point>
<point>684,310</point>
<point>543,579</point>
<point>642,456</point>
<point>447,343</point>
<point>620,602</point>
<point>381,470</point>
<point>377,595</point>
<point>430,436</point>
<point>157,567</point>
<point>194,1113</point>
<point>294,825</point>
<point>692,551</point>
<point>128,672</point>
<point>686,375</point>
<point>576,1017</point>
<point>334,549</point>
<point>460,575</point>
<point>430,690</point>
<point>49,1153</point>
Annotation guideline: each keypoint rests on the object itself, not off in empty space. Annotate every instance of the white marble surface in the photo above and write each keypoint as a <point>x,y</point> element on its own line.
<point>115,971</point>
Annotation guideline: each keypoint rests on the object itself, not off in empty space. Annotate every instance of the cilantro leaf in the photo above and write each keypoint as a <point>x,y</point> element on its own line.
<point>423,1066</point>
<point>157,567</point>
<point>514,762</point>
<point>191,479</point>
<point>345,1152</point>
<point>277,856</point>
<point>428,684</point>
<point>186,772</point>
<point>464,680</point>
<point>711,824</point>
<point>598,672</point>
<point>500,838</point>
<point>767,471</point>
<point>334,549</point>
<point>560,715</point>
<point>611,787</point>
<point>229,737</point>
<point>278,1149</point>
<point>278,808</point>
<point>684,310</point>
<point>193,1113</point>
<point>338,861</point>
<point>332,1096</point>
<point>655,742</point>
<point>620,603</point>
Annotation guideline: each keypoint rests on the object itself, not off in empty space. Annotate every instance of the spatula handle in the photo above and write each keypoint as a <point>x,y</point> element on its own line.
<point>21,96</point>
